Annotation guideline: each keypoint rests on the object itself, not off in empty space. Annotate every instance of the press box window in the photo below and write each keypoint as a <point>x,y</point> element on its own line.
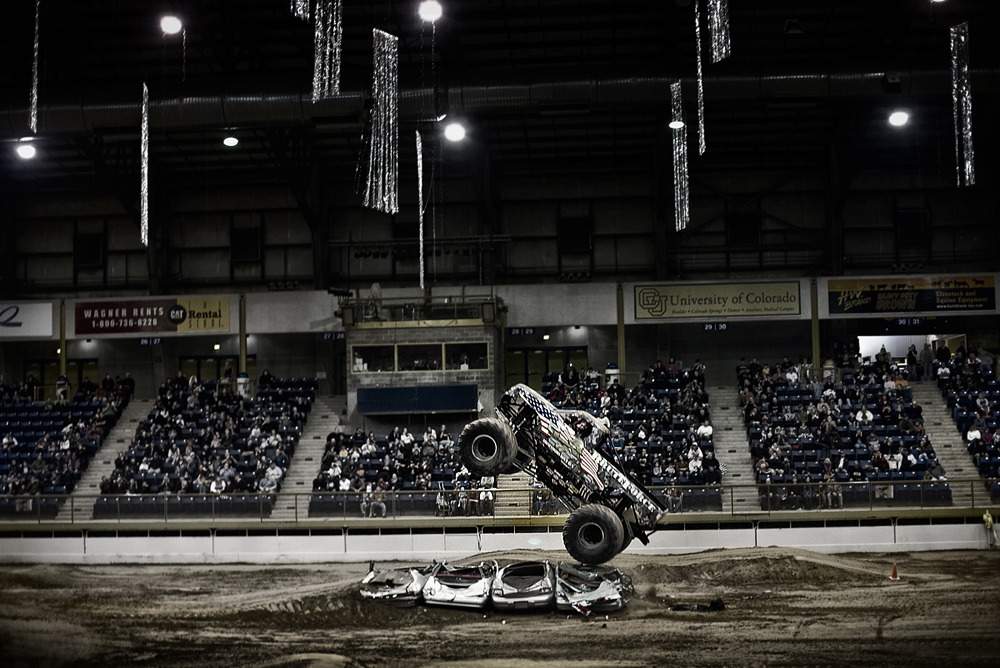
<point>372,359</point>
<point>425,357</point>
<point>461,356</point>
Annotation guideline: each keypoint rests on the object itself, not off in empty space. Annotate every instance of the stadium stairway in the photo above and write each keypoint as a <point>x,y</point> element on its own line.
<point>513,499</point>
<point>103,463</point>
<point>733,449</point>
<point>324,417</point>
<point>948,444</point>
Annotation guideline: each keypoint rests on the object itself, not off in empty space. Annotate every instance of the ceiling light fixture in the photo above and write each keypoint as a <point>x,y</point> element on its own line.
<point>170,25</point>
<point>26,151</point>
<point>675,125</point>
<point>216,346</point>
<point>899,118</point>
<point>430,11</point>
<point>230,141</point>
<point>454,132</point>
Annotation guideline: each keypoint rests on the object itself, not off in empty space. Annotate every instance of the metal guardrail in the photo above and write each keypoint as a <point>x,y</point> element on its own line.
<point>712,503</point>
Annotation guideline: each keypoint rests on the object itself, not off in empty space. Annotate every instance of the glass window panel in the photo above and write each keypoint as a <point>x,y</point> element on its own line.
<point>467,356</point>
<point>372,359</point>
<point>424,357</point>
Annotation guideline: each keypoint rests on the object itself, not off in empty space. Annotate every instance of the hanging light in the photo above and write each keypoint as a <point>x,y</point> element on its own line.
<point>430,11</point>
<point>230,141</point>
<point>675,125</point>
<point>454,132</point>
<point>170,25</point>
<point>899,118</point>
<point>26,151</point>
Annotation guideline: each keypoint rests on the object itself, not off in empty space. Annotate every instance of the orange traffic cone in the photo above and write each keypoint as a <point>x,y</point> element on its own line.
<point>895,575</point>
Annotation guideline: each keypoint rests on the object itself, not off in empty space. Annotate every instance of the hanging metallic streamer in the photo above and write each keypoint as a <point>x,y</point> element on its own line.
<point>144,170</point>
<point>701,87</point>
<point>300,9</point>
<point>681,211</point>
<point>326,48</point>
<point>33,107</point>
<point>381,191</point>
<point>718,27</point>
<point>420,202</point>
<point>961,101</point>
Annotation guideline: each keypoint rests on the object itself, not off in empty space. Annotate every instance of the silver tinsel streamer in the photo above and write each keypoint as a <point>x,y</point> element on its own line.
<point>701,87</point>
<point>381,191</point>
<point>326,48</point>
<point>718,28</point>
<point>681,211</point>
<point>300,9</point>
<point>33,106</point>
<point>961,101</point>
<point>144,170</point>
<point>420,202</point>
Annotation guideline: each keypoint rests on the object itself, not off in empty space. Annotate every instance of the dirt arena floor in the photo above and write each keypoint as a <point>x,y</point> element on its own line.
<point>783,608</point>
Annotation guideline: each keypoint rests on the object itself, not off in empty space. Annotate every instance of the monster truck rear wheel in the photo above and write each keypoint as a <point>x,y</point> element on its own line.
<point>593,534</point>
<point>487,447</point>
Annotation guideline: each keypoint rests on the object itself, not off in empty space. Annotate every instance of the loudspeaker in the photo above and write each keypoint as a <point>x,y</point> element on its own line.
<point>347,315</point>
<point>489,312</point>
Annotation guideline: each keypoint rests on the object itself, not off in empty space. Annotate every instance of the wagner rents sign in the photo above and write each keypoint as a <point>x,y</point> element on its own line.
<point>700,300</point>
<point>170,314</point>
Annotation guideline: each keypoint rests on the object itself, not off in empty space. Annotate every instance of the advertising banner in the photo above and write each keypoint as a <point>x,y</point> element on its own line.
<point>166,314</point>
<point>701,300</point>
<point>17,320</point>
<point>925,294</point>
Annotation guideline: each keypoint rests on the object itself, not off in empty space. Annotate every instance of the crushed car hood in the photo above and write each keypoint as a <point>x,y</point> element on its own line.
<point>589,589</point>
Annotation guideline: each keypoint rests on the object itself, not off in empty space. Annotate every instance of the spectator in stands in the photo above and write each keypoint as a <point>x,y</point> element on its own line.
<point>833,495</point>
<point>674,499</point>
<point>936,471</point>
<point>486,502</point>
<point>927,360</point>
<point>864,416</point>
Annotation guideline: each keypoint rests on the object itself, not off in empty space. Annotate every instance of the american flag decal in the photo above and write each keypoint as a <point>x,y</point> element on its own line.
<point>589,468</point>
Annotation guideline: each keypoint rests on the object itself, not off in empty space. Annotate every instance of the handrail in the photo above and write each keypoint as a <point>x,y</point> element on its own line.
<point>712,503</point>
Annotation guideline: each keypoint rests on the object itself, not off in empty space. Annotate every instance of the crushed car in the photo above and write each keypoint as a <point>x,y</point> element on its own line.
<point>401,587</point>
<point>465,587</point>
<point>565,450</point>
<point>591,589</point>
<point>524,585</point>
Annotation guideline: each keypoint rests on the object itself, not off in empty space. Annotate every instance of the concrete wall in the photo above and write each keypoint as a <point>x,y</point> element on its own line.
<point>425,545</point>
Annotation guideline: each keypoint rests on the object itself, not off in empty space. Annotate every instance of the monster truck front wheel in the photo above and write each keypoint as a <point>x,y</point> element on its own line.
<point>487,447</point>
<point>593,534</point>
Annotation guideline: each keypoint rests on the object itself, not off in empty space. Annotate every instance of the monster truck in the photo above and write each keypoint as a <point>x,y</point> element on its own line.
<point>563,449</point>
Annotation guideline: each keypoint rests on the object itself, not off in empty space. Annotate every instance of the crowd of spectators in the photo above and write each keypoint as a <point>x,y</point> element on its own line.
<point>661,429</point>
<point>204,439</point>
<point>46,446</point>
<point>806,441</point>
<point>969,386</point>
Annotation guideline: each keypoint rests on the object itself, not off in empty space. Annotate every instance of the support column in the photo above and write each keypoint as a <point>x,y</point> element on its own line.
<point>621,334</point>
<point>816,363</point>
<point>62,337</point>
<point>243,332</point>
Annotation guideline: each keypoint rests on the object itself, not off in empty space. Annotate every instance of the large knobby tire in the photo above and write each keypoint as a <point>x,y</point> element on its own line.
<point>593,534</point>
<point>487,447</point>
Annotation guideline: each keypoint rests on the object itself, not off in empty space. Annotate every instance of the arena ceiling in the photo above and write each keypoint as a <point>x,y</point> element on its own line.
<point>544,86</point>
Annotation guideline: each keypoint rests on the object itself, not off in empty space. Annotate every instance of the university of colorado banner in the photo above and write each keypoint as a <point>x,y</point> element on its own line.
<point>925,294</point>
<point>168,314</point>
<point>717,300</point>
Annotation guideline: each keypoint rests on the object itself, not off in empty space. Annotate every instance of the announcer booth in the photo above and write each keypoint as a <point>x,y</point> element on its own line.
<point>417,362</point>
